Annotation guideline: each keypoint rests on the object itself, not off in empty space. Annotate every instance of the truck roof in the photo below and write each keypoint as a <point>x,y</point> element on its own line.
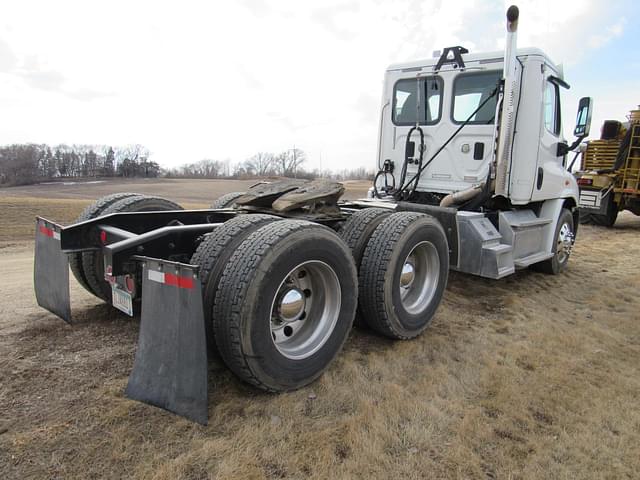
<point>472,57</point>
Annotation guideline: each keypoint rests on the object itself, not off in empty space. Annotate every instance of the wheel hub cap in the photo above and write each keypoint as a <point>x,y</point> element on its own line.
<point>408,274</point>
<point>565,242</point>
<point>305,309</point>
<point>292,305</point>
<point>419,278</point>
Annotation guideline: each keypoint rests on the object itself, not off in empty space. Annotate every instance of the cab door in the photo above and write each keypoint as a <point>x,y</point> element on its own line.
<point>550,173</point>
<point>471,151</point>
<point>416,99</point>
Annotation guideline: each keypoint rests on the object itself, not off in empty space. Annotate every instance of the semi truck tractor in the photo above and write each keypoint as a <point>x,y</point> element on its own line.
<point>472,177</point>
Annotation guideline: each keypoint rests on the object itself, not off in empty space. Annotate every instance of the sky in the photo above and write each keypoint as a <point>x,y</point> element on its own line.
<point>223,80</point>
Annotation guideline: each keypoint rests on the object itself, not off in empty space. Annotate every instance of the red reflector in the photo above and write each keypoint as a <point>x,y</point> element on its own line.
<point>103,236</point>
<point>182,282</point>
<point>585,181</point>
<point>46,231</point>
<point>129,284</point>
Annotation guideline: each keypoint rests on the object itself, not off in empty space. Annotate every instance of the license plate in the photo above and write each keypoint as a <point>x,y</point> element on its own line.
<point>590,199</point>
<point>121,300</point>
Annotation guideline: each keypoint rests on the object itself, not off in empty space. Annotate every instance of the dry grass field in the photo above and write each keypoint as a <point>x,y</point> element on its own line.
<point>532,376</point>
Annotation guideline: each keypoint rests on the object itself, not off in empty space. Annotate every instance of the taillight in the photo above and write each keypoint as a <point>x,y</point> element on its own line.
<point>130,284</point>
<point>103,237</point>
<point>585,181</point>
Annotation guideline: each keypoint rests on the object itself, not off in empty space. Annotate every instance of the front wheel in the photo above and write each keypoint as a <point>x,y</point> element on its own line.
<point>562,245</point>
<point>285,304</point>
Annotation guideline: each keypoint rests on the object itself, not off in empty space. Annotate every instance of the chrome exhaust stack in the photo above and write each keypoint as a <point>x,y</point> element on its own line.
<point>507,105</point>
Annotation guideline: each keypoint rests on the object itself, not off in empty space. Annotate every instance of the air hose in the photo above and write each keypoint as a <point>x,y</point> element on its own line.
<point>387,170</point>
<point>402,193</point>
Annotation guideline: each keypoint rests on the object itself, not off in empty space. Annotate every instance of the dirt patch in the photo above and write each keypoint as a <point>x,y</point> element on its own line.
<point>531,376</point>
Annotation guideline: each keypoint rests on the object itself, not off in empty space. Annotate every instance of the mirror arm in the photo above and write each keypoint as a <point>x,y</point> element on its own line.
<point>577,142</point>
<point>573,161</point>
<point>563,148</point>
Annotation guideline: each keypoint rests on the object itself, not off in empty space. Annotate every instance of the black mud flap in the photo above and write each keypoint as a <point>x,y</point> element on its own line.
<point>51,270</point>
<point>170,369</point>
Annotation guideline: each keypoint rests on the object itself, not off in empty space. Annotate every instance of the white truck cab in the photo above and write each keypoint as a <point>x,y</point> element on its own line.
<point>478,137</point>
<point>452,94</point>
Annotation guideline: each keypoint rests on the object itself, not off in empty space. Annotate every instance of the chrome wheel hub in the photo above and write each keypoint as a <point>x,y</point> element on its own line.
<point>408,274</point>
<point>291,305</point>
<point>565,242</point>
<point>305,309</point>
<point>419,278</point>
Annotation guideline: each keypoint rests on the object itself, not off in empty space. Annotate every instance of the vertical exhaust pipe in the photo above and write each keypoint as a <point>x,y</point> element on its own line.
<point>510,45</point>
<point>506,125</point>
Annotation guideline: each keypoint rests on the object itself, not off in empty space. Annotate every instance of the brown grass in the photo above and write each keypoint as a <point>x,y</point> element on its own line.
<point>532,376</point>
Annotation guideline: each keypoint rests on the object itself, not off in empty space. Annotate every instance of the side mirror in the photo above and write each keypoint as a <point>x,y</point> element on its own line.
<point>583,120</point>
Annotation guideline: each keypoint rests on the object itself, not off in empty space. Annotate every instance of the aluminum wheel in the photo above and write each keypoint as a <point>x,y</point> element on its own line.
<point>565,243</point>
<point>305,309</point>
<point>419,277</point>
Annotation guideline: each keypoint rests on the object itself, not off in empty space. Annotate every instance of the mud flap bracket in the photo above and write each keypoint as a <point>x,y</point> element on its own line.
<point>51,270</point>
<point>170,368</point>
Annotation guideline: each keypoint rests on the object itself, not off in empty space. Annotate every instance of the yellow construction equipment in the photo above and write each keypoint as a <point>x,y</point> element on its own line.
<point>609,175</point>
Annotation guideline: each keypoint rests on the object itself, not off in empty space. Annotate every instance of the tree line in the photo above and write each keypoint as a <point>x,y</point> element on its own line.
<point>263,164</point>
<point>290,163</point>
<point>22,164</point>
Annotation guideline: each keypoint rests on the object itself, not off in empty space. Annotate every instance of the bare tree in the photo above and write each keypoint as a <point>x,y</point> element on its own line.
<point>261,164</point>
<point>290,161</point>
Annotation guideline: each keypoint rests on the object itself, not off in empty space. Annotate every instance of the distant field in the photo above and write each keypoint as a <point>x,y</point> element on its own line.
<point>180,190</point>
<point>529,377</point>
<point>63,202</point>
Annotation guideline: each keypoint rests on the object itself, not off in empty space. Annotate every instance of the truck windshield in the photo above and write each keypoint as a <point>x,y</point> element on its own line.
<point>405,105</point>
<point>469,91</point>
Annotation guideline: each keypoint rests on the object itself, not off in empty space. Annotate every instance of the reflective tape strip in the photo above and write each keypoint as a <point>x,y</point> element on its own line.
<point>182,282</point>
<point>156,276</point>
<point>49,232</point>
<point>170,279</point>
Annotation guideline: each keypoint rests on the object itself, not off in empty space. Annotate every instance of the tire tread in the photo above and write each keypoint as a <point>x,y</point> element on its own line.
<point>90,259</point>
<point>92,211</point>
<point>238,274</point>
<point>226,200</point>
<point>375,266</point>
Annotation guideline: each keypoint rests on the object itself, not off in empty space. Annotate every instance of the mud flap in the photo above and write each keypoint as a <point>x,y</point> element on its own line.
<point>51,270</point>
<point>170,368</point>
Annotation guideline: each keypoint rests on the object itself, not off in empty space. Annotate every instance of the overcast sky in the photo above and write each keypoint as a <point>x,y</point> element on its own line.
<point>193,80</point>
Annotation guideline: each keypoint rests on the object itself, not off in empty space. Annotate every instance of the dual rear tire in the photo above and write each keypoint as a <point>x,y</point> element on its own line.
<point>283,304</point>
<point>280,295</point>
<point>87,267</point>
<point>403,268</point>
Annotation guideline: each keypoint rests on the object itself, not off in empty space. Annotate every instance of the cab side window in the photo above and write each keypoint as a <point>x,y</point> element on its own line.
<point>552,108</point>
<point>470,90</point>
<point>426,105</point>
